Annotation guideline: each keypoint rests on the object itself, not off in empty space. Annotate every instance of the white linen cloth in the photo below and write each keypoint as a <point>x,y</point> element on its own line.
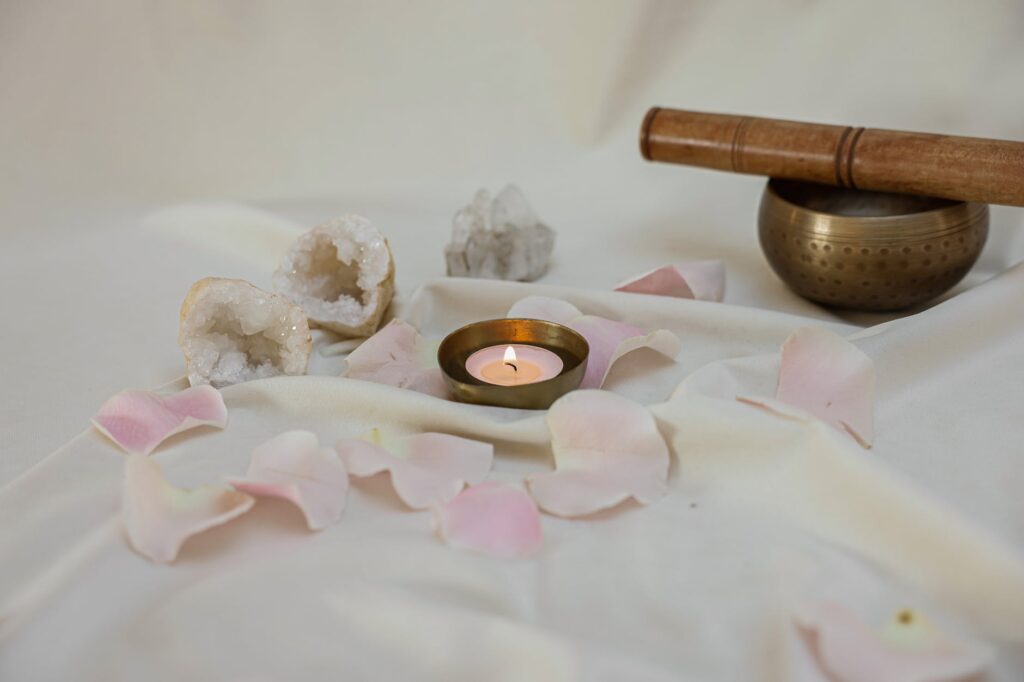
<point>763,513</point>
<point>399,111</point>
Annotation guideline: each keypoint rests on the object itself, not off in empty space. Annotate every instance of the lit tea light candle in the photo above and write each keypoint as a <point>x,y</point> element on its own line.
<point>545,360</point>
<point>514,365</point>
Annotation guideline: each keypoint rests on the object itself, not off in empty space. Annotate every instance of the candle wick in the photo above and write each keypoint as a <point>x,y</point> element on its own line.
<point>512,365</point>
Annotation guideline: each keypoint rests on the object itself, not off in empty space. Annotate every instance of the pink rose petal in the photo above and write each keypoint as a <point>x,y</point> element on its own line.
<point>908,649</point>
<point>664,281</point>
<point>293,467</point>
<point>545,308</point>
<point>607,449</point>
<point>398,356</point>
<point>826,375</point>
<point>706,279</point>
<point>700,280</point>
<point>426,469</point>
<point>159,517</point>
<point>138,421</point>
<point>608,340</point>
<point>491,518</point>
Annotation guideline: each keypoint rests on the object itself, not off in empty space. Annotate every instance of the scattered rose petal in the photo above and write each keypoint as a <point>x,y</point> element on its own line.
<point>608,340</point>
<point>426,469</point>
<point>491,518</point>
<point>908,649</point>
<point>398,356</point>
<point>607,449</point>
<point>545,308</point>
<point>293,467</point>
<point>826,375</point>
<point>342,347</point>
<point>664,281</point>
<point>159,517</point>
<point>701,280</point>
<point>138,421</point>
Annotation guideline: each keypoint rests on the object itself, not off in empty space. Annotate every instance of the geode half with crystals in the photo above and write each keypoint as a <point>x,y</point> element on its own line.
<point>499,239</point>
<point>231,331</point>
<point>342,275</point>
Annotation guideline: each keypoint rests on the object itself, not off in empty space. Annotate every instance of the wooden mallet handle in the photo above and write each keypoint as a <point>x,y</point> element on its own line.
<point>964,168</point>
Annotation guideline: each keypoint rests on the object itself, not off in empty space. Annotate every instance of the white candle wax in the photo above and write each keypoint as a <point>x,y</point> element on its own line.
<point>522,365</point>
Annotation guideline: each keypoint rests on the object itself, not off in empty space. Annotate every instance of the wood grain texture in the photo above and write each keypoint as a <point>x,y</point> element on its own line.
<point>952,167</point>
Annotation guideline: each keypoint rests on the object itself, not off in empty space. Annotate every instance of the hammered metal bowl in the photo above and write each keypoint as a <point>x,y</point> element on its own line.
<point>867,250</point>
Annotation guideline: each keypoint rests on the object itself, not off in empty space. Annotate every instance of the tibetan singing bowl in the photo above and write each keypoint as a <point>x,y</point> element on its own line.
<point>461,343</point>
<point>868,250</point>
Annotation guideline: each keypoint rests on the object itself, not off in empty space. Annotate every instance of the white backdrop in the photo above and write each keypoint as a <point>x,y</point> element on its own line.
<point>151,100</point>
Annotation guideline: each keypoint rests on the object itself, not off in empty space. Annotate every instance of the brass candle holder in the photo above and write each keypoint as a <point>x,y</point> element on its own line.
<point>559,339</point>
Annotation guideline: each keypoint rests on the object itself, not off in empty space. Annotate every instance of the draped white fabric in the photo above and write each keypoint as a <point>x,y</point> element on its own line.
<point>399,112</point>
<point>763,513</point>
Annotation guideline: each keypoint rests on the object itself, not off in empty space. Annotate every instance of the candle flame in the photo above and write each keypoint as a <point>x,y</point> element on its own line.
<point>510,358</point>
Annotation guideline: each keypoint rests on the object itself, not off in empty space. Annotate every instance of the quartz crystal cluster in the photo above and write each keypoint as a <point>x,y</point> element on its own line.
<point>499,239</point>
<point>341,274</point>
<point>232,331</point>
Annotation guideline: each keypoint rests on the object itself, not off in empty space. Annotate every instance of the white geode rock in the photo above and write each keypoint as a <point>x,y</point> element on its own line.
<point>499,239</point>
<point>342,275</point>
<point>231,331</point>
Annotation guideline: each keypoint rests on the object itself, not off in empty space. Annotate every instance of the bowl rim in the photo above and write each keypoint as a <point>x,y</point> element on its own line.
<point>904,227</point>
<point>773,183</point>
